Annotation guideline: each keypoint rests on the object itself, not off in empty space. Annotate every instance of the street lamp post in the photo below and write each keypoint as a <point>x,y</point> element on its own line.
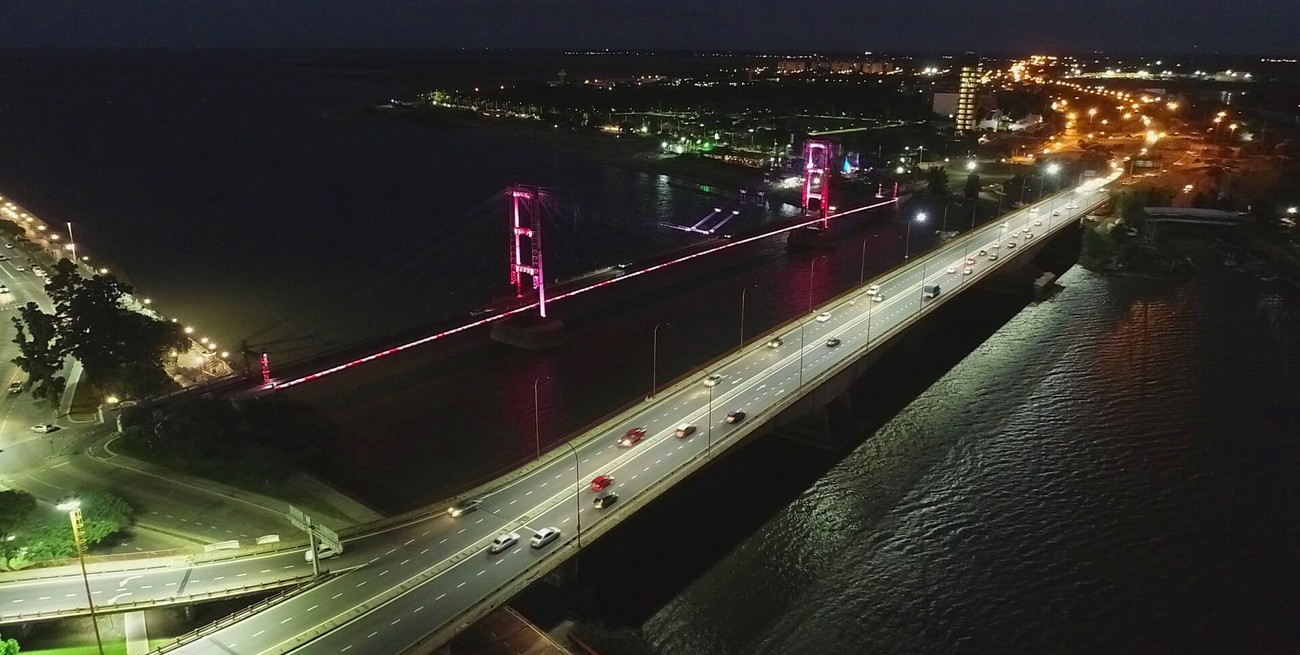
<point>577,492</point>
<point>742,311</point>
<point>907,244</point>
<point>801,344</point>
<point>862,270</point>
<point>537,416</point>
<point>73,508</point>
<point>944,227</point>
<point>654,361</point>
<point>812,274</point>
<point>708,449</point>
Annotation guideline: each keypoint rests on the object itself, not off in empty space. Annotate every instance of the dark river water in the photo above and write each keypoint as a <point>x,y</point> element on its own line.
<point>255,195</point>
<point>1112,471</point>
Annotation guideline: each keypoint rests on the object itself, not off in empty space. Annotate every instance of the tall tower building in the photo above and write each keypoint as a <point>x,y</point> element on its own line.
<point>968,92</point>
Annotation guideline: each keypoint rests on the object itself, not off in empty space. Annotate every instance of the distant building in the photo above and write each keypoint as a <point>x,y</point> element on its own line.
<point>968,92</point>
<point>945,103</point>
<point>789,66</point>
<point>999,122</point>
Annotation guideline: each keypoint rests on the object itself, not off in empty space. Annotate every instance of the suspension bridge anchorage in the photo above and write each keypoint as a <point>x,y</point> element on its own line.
<point>818,169</point>
<point>529,331</point>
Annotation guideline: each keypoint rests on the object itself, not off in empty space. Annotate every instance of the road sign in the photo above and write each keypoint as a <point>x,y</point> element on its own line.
<point>329,538</point>
<point>298,519</point>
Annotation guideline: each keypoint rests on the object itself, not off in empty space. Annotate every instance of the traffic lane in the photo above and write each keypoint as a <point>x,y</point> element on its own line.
<point>412,616</point>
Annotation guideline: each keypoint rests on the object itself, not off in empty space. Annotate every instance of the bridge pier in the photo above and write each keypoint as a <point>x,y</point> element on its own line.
<point>811,239</point>
<point>530,332</point>
<point>831,427</point>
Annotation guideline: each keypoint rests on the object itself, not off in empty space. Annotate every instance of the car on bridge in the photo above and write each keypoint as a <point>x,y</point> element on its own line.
<point>713,380</point>
<point>952,270</point>
<point>873,289</point>
<point>633,437</point>
<point>832,342</point>
<point>823,317</point>
<point>1011,244</point>
<point>775,343</point>
<point>601,481</point>
<point>735,417</point>
<point>605,500</point>
<point>543,537</point>
<point>503,542</point>
<point>323,551</point>
<point>685,430</point>
<point>463,507</point>
<point>1029,235</point>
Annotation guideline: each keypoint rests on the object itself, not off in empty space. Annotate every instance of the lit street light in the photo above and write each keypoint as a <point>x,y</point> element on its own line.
<point>907,244</point>
<point>73,508</point>
<point>1091,112</point>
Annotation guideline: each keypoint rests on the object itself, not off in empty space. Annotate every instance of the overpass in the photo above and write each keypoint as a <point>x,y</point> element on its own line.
<point>412,588</point>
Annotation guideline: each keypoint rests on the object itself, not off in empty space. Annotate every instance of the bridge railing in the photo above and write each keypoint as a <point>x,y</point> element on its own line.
<point>11,617</point>
<point>195,635</point>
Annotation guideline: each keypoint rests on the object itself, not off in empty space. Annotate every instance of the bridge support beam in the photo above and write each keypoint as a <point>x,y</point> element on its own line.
<point>830,427</point>
<point>811,238</point>
<point>530,332</point>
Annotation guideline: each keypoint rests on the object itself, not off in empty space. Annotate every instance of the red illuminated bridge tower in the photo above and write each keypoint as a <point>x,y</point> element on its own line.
<point>818,158</point>
<point>526,226</point>
<point>531,332</point>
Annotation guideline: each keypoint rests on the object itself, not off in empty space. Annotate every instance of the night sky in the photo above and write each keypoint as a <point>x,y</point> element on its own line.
<point>1251,26</point>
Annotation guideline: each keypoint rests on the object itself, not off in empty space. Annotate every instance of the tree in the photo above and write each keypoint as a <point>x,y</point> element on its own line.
<point>8,646</point>
<point>16,508</point>
<point>973,185</point>
<point>38,353</point>
<point>1132,208</point>
<point>936,180</point>
<point>121,350</point>
<point>12,230</point>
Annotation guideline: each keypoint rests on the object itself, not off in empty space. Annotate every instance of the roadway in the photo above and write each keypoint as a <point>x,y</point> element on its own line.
<point>403,585</point>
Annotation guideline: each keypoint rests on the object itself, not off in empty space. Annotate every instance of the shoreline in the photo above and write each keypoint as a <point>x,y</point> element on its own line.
<point>630,152</point>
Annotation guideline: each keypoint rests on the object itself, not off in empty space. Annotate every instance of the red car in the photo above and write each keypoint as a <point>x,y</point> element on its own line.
<point>632,437</point>
<point>601,482</point>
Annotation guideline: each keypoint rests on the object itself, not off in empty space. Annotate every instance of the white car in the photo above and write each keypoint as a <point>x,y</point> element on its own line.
<point>1056,213</point>
<point>503,542</point>
<point>543,537</point>
<point>1011,244</point>
<point>970,261</point>
<point>983,252</point>
<point>322,552</point>
<point>44,428</point>
<point>952,270</point>
<point>1037,222</point>
<point>873,289</point>
<point>713,380</point>
<point>1029,235</point>
<point>823,317</point>
<point>879,297</point>
<point>4,288</point>
<point>967,271</point>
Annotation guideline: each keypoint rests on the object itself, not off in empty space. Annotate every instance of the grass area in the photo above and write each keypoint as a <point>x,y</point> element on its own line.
<point>110,648</point>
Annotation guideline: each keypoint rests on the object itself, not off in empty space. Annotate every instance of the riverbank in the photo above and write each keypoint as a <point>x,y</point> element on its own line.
<point>639,153</point>
<point>1107,252</point>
